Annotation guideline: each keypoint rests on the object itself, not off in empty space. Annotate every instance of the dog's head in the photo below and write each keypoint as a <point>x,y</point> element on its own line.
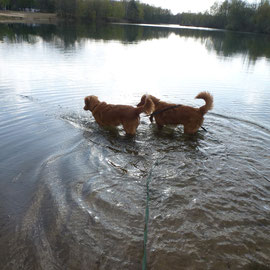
<point>90,103</point>
<point>142,102</point>
<point>146,97</point>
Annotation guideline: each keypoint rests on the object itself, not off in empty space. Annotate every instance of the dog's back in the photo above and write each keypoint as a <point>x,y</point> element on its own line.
<point>114,115</point>
<point>172,114</point>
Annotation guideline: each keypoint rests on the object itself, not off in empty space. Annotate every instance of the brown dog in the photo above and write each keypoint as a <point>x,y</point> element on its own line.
<point>172,114</point>
<point>109,115</point>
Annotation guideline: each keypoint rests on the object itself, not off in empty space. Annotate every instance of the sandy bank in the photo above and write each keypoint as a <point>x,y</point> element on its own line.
<point>27,17</point>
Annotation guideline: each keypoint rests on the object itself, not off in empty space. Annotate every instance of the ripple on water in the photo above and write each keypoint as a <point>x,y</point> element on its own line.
<point>209,197</point>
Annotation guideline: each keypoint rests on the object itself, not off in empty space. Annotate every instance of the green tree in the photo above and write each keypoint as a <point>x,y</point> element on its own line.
<point>132,12</point>
<point>66,8</point>
<point>118,10</point>
<point>239,16</point>
<point>220,14</point>
<point>262,17</point>
<point>4,4</point>
<point>45,5</point>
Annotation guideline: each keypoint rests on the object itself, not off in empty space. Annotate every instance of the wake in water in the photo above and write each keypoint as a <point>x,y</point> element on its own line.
<point>203,190</point>
<point>243,121</point>
<point>88,195</point>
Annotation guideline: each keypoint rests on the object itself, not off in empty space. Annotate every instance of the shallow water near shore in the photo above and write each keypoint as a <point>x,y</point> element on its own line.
<point>73,195</point>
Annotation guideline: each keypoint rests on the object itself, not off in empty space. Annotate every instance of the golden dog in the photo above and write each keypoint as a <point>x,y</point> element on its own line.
<point>109,115</point>
<point>172,114</point>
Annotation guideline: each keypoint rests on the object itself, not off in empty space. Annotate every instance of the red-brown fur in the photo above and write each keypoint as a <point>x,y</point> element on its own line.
<point>191,118</point>
<point>109,115</point>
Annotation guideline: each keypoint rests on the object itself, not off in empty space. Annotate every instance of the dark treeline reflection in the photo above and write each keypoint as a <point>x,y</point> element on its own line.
<point>67,36</point>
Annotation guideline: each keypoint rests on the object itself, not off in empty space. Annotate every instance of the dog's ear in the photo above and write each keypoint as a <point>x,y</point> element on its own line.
<point>93,102</point>
<point>90,103</point>
<point>87,102</point>
<point>142,101</point>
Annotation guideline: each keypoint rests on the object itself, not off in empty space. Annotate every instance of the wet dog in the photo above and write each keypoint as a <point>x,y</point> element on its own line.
<point>173,114</point>
<point>110,115</point>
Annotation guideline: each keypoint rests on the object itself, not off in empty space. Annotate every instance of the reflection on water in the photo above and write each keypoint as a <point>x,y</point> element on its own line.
<point>224,43</point>
<point>73,195</point>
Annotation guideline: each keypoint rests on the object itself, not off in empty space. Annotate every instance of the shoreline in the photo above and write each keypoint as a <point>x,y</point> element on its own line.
<point>7,16</point>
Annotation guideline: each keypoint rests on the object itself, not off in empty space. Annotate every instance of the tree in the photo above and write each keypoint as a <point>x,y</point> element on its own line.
<point>66,8</point>
<point>45,5</point>
<point>4,4</point>
<point>118,10</point>
<point>262,17</point>
<point>132,12</point>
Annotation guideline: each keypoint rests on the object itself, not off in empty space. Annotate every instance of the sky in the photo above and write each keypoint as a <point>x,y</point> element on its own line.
<point>178,6</point>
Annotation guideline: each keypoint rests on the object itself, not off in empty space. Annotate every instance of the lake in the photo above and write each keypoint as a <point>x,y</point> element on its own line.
<point>73,195</point>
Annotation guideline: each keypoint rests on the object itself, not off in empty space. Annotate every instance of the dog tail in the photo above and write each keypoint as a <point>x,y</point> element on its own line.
<point>148,107</point>
<point>208,98</point>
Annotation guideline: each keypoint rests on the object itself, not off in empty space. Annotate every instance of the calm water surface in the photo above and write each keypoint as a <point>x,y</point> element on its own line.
<point>73,195</point>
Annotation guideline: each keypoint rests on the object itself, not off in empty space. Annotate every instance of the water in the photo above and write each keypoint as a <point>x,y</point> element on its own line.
<point>73,195</point>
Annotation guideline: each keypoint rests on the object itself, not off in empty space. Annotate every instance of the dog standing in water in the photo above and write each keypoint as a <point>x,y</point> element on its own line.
<point>173,114</point>
<point>110,115</point>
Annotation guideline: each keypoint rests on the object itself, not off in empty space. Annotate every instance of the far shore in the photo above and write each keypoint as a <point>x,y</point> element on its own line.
<point>27,17</point>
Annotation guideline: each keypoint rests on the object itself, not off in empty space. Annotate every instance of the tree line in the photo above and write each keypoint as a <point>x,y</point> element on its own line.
<point>236,15</point>
<point>95,10</point>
